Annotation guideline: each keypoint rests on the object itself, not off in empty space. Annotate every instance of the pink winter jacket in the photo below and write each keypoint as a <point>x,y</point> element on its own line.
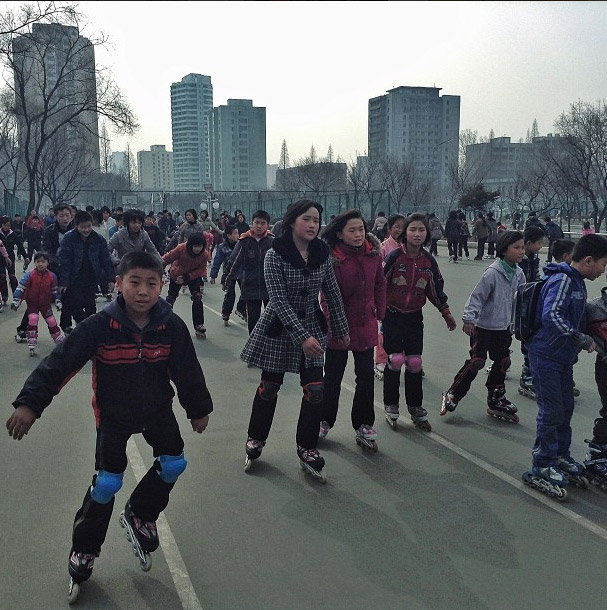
<point>362,284</point>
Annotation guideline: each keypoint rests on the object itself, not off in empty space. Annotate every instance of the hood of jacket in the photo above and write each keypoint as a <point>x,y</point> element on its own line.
<point>318,252</point>
<point>371,247</point>
<point>159,314</point>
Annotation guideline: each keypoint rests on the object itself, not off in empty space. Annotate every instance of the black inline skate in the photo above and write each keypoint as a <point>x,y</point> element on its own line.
<point>419,416</point>
<point>596,464</point>
<point>311,462</point>
<point>500,407</point>
<point>550,480</point>
<point>574,471</point>
<point>253,449</point>
<point>448,404</point>
<point>391,413</point>
<point>525,385</point>
<point>80,567</point>
<point>142,535</point>
<point>366,437</point>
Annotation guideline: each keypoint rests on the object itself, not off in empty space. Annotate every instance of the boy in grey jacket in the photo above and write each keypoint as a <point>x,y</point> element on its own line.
<point>488,322</point>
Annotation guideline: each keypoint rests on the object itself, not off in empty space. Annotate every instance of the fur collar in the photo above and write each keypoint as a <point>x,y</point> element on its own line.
<point>286,249</point>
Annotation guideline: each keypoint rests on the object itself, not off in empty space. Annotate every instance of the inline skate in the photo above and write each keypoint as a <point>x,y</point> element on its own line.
<point>574,471</point>
<point>391,414</point>
<point>143,536</point>
<point>80,567</point>
<point>311,462</point>
<point>253,450</point>
<point>323,429</point>
<point>379,370</point>
<point>201,331</point>
<point>449,403</point>
<point>226,319</point>
<point>500,407</point>
<point>596,464</point>
<point>419,416</point>
<point>525,386</point>
<point>21,336</point>
<point>550,480</point>
<point>366,437</point>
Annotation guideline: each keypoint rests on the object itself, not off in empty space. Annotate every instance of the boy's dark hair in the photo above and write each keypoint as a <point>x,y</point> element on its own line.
<point>546,218</point>
<point>89,208</point>
<point>329,233</point>
<point>97,216</point>
<point>42,254</point>
<point>133,215</point>
<point>590,245</point>
<point>381,214</point>
<point>460,216</point>
<point>61,206</point>
<point>118,217</point>
<point>4,220</point>
<point>195,239</point>
<point>297,209</point>
<point>261,214</point>
<point>393,218</point>
<point>138,259</point>
<point>533,234</point>
<point>411,218</point>
<point>560,247</point>
<point>81,217</point>
<point>229,229</point>
<point>105,209</point>
<point>504,240</point>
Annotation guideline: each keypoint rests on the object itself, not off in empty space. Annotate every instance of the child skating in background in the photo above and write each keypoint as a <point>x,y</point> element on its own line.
<point>487,318</point>
<point>188,265</point>
<point>138,347</point>
<point>357,264</point>
<point>395,228</point>
<point>553,350</point>
<point>534,240</point>
<point>412,278</point>
<point>39,289</point>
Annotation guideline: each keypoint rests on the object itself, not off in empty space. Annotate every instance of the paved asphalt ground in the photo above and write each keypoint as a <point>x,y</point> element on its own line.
<point>432,521</point>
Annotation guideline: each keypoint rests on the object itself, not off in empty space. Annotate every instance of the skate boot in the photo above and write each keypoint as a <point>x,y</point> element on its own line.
<point>253,450</point>
<point>379,370</point>
<point>550,480</point>
<point>526,384</point>
<point>574,471</point>
<point>419,416</point>
<point>449,403</point>
<point>142,535</point>
<point>311,462</point>
<point>226,319</point>
<point>500,407</point>
<point>201,331</point>
<point>20,337</point>
<point>596,464</point>
<point>366,437</point>
<point>323,430</point>
<point>80,567</point>
<point>391,414</point>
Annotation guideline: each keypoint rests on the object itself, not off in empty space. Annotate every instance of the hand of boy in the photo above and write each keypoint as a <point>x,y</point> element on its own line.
<point>19,423</point>
<point>469,328</point>
<point>200,425</point>
<point>592,348</point>
<point>450,321</point>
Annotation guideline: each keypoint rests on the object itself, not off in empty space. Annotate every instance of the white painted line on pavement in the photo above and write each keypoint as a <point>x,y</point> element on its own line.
<point>179,572</point>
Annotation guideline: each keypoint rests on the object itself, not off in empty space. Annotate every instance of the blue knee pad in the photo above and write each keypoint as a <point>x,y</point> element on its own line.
<point>171,466</point>
<point>106,486</point>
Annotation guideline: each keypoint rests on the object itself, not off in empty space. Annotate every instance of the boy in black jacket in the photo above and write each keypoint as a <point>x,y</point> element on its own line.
<point>138,346</point>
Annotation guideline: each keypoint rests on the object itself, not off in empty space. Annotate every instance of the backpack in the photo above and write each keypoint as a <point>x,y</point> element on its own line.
<point>526,322</point>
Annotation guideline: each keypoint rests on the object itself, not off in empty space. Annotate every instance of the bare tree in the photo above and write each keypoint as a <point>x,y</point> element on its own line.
<point>397,178</point>
<point>105,149</point>
<point>13,22</point>
<point>130,170</point>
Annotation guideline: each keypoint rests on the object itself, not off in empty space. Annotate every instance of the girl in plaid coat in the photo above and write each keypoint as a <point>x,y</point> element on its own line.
<point>291,335</point>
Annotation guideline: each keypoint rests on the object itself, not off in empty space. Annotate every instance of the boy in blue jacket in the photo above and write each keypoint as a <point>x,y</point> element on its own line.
<point>553,350</point>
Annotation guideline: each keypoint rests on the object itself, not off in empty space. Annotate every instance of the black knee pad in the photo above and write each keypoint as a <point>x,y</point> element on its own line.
<point>313,392</point>
<point>197,296</point>
<point>268,390</point>
<point>477,364</point>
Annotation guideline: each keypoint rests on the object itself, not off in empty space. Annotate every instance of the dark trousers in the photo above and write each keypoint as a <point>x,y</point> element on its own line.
<point>434,246</point>
<point>12,278</point>
<point>403,332</point>
<point>308,424</point>
<point>452,247</point>
<point>599,432</point>
<point>480,248</point>
<point>364,394</point>
<point>229,298</point>
<point>553,386</point>
<point>81,300</point>
<point>496,343</point>
<point>147,500</point>
<point>195,288</point>
<point>491,248</point>
<point>254,312</point>
<point>463,246</point>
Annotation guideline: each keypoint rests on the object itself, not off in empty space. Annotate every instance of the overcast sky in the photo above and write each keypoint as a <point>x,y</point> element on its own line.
<point>315,65</point>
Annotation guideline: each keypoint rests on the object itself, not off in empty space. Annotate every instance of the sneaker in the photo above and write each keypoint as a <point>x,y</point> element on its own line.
<point>323,430</point>
<point>448,404</point>
<point>311,457</point>
<point>570,466</point>
<point>80,565</point>
<point>552,474</point>
<point>367,432</point>
<point>145,531</point>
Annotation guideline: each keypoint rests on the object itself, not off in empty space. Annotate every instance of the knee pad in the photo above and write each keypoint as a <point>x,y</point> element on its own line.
<point>171,466</point>
<point>504,364</point>
<point>477,364</point>
<point>106,486</point>
<point>267,390</point>
<point>396,361</point>
<point>32,319</point>
<point>313,392</point>
<point>414,364</point>
<point>196,296</point>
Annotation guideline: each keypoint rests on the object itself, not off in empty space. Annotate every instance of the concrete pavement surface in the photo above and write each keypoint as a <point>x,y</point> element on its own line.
<point>432,521</point>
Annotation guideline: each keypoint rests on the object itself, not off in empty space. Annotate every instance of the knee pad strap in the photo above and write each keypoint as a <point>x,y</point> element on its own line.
<point>106,486</point>
<point>268,390</point>
<point>171,466</point>
<point>414,364</point>
<point>313,392</point>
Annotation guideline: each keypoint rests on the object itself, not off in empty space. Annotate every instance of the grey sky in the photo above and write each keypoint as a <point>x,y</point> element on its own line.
<point>314,65</point>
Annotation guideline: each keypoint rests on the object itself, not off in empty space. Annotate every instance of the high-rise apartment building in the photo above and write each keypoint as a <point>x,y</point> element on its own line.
<point>191,113</point>
<point>155,169</point>
<point>416,125</point>
<point>239,147</point>
<point>54,68</point>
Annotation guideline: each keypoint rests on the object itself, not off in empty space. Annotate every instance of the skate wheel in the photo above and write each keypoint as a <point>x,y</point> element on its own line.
<point>391,422</point>
<point>374,447</point>
<point>146,562</point>
<point>321,477</point>
<point>73,592</point>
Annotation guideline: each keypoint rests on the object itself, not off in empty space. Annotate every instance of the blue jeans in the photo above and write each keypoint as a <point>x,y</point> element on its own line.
<point>553,385</point>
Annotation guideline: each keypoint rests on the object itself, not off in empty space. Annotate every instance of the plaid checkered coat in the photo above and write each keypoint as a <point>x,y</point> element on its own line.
<point>293,313</point>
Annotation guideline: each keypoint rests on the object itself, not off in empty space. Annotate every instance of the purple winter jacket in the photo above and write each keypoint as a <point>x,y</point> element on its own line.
<point>362,285</point>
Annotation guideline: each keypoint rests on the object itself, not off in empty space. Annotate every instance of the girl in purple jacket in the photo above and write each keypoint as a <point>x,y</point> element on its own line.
<point>357,263</point>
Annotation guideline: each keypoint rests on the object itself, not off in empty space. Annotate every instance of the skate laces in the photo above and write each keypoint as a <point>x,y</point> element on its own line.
<point>367,432</point>
<point>82,560</point>
<point>147,529</point>
<point>568,464</point>
<point>308,455</point>
<point>552,473</point>
<point>254,445</point>
<point>391,409</point>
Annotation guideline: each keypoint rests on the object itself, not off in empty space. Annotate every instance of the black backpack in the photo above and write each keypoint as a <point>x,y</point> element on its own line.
<point>526,320</point>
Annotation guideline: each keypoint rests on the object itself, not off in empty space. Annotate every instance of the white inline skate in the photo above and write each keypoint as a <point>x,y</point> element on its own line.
<point>366,438</point>
<point>391,413</point>
<point>549,480</point>
<point>253,450</point>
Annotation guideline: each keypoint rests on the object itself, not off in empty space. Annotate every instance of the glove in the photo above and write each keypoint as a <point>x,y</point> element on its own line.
<point>15,305</point>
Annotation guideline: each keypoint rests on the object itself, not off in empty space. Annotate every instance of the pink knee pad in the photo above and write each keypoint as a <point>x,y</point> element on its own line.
<point>414,364</point>
<point>396,361</point>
